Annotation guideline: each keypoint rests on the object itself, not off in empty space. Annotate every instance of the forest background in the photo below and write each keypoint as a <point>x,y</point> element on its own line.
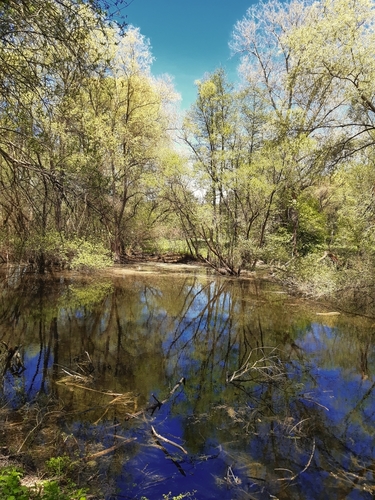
<point>97,164</point>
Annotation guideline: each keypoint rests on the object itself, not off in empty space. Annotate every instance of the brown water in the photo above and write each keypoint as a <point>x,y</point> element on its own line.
<point>268,395</point>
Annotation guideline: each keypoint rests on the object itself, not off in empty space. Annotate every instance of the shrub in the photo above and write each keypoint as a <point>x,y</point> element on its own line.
<point>313,277</point>
<point>10,484</point>
<point>87,255</point>
<point>12,489</point>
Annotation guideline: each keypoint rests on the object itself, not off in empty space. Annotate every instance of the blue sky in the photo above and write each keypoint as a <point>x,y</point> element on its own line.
<point>188,37</point>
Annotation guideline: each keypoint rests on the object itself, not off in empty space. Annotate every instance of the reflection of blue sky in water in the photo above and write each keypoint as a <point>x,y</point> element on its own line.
<point>207,317</point>
<point>325,389</point>
<point>153,474</point>
<point>350,402</point>
<point>344,439</point>
<point>23,388</point>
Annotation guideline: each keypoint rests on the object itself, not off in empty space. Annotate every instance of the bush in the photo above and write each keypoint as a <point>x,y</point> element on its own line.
<point>86,255</point>
<point>313,277</point>
<point>12,489</point>
<point>10,484</point>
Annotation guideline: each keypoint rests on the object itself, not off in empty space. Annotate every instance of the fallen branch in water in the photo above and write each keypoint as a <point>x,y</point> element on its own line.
<point>73,375</point>
<point>315,402</point>
<point>108,450</point>
<point>79,386</point>
<point>169,456</point>
<point>268,366</point>
<point>230,478</point>
<point>86,367</point>
<point>181,381</point>
<point>297,424</point>
<point>292,478</point>
<point>162,438</point>
<point>120,399</point>
<point>39,422</point>
<point>158,403</point>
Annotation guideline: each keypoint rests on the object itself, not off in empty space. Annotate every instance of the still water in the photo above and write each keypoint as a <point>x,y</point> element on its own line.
<point>170,381</point>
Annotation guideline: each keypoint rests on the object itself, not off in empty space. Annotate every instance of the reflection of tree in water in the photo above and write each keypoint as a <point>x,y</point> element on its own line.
<point>271,407</point>
<point>195,345</point>
<point>290,437</point>
<point>255,398</point>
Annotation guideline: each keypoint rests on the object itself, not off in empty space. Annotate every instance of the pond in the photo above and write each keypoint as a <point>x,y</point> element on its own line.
<point>164,381</point>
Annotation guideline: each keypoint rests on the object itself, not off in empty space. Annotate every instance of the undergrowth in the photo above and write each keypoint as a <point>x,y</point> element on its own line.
<point>11,487</point>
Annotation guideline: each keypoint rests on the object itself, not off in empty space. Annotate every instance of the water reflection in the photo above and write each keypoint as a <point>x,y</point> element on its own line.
<point>277,402</point>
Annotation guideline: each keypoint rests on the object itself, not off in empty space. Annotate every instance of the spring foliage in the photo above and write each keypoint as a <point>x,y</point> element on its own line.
<point>277,166</point>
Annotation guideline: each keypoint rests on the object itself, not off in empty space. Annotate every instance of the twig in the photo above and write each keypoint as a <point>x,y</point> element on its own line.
<point>315,402</point>
<point>158,403</point>
<point>28,435</point>
<point>120,398</point>
<point>38,424</point>
<point>74,374</point>
<point>105,393</point>
<point>108,450</point>
<point>231,478</point>
<point>181,381</point>
<point>304,469</point>
<point>158,436</point>
<point>271,359</point>
<point>88,355</point>
<point>177,464</point>
<point>298,423</point>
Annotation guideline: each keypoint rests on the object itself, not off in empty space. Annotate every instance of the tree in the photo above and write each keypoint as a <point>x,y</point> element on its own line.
<point>225,131</point>
<point>334,44</point>
<point>82,121</point>
<point>45,56</point>
<point>210,133</point>
<point>128,108</point>
<point>303,114</point>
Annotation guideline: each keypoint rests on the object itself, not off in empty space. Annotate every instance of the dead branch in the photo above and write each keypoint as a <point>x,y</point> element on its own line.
<point>158,403</point>
<point>38,424</point>
<point>268,366</point>
<point>162,438</point>
<point>72,375</point>
<point>297,424</point>
<point>315,402</point>
<point>303,470</point>
<point>181,381</point>
<point>104,393</point>
<point>230,477</point>
<point>87,366</point>
<point>124,399</point>
<point>109,450</point>
<point>169,456</point>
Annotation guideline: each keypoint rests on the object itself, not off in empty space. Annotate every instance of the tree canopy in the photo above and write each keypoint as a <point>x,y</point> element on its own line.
<point>277,167</point>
